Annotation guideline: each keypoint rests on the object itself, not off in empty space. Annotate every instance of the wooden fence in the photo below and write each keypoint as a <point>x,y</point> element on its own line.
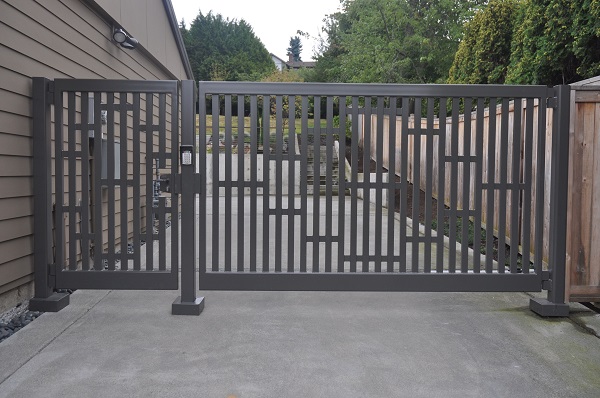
<point>506,162</point>
<point>583,229</point>
<point>583,215</point>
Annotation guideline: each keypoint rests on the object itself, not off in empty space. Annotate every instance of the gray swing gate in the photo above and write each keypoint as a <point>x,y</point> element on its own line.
<point>268,201</point>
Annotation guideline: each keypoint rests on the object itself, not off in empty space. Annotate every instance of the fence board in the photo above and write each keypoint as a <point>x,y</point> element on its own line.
<point>583,227</point>
<point>594,266</point>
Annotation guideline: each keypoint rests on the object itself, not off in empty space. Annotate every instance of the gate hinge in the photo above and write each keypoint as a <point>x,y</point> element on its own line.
<point>177,184</point>
<point>50,98</point>
<point>546,281</point>
<point>52,270</point>
<point>551,102</point>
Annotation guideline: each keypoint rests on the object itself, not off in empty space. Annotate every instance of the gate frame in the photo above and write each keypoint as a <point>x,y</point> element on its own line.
<point>45,299</point>
<point>556,98</point>
<point>554,304</point>
<point>187,184</point>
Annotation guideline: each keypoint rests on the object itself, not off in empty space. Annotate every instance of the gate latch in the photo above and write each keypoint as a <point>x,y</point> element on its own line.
<point>170,183</point>
<point>164,183</point>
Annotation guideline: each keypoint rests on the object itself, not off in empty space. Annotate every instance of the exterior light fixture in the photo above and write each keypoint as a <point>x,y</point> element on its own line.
<point>124,40</point>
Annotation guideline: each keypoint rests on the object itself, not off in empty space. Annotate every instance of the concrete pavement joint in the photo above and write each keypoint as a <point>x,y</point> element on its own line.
<point>581,324</point>
<point>66,326</point>
<point>577,321</point>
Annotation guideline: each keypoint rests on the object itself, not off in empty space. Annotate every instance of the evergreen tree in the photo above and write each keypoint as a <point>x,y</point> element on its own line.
<point>484,53</point>
<point>586,38</point>
<point>542,50</point>
<point>295,48</point>
<point>224,49</point>
<point>551,42</point>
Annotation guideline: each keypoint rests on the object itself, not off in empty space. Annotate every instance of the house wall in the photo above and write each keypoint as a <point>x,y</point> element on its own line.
<point>149,24</point>
<point>61,39</point>
<point>279,63</point>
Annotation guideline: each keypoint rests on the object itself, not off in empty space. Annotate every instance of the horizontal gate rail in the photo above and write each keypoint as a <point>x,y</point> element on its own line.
<point>384,90</point>
<point>374,282</point>
<point>116,86</point>
<point>126,280</point>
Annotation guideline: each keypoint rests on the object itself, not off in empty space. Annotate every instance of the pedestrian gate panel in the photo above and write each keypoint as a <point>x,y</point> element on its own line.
<point>112,144</point>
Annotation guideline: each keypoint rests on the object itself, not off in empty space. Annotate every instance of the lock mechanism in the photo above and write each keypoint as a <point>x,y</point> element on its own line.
<point>186,155</point>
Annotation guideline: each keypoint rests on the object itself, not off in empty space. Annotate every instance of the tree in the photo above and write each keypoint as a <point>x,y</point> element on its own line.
<point>484,53</point>
<point>558,42</point>
<point>328,57</point>
<point>224,49</point>
<point>552,42</point>
<point>295,48</point>
<point>586,38</point>
<point>542,45</point>
<point>394,41</point>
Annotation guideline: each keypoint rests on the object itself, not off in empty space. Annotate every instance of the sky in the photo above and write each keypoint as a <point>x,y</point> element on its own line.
<point>273,21</point>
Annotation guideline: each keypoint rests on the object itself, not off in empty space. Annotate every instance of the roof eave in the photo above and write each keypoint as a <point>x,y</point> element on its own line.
<point>178,38</point>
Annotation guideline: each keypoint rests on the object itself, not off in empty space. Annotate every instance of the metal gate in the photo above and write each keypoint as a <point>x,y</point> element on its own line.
<point>315,187</point>
<point>101,218</point>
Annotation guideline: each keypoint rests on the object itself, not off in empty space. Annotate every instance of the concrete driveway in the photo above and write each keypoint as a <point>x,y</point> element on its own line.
<point>303,344</point>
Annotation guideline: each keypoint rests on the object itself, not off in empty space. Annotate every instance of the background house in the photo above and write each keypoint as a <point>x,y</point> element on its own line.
<point>64,39</point>
<point>282,65</point>
<point>291,64</point>
<point>279,63</point>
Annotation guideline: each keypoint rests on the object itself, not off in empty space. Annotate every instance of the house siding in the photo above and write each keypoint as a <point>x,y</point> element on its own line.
<point>62,39</point>
<point>149,31</point>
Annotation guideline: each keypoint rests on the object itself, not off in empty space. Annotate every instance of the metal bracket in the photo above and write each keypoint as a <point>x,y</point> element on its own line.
<point>197,184</point>
<point>166,185</point>
<point>552,102</point>
<point>52,268</point>
<point>173,185</point>
<point>546,281</point>
<point>50,89</point>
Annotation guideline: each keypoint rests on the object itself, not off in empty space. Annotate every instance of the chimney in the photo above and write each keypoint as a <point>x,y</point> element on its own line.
<point>290,57</point>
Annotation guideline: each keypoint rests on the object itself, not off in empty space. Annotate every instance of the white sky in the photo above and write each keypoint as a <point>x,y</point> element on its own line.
<point>273,21</point>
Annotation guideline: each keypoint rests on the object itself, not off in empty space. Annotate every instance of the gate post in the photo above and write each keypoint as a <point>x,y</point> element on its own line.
<point>44,299</point>
<point>555,304</point>
<point>188,303</point>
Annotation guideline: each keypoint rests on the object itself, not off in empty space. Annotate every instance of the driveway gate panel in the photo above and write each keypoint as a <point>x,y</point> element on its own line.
<point>276,215</point>
<point>116,148</point>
